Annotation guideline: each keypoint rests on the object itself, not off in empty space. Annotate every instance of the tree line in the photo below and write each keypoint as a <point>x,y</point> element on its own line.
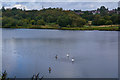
<point>103,16</point>
<point>57,16</point>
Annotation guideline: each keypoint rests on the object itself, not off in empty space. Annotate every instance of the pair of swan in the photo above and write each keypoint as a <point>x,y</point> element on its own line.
<point>67,56</point>
<point>72,58</point>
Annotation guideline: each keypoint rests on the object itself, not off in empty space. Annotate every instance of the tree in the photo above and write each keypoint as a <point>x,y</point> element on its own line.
<point>101,22</point>
<point>78,22</point>
<point>9,22</point>
<point>32,22</point>
<point>41,22</point>
<point>63,21</point>
<point>107,17</point>
<point>114,18</point>
<point>109,22</point>
<point>3,9</point>
<point>57,16</point>
<point>103,10</point>
<point>50,19</point>
<point>96,19</point>
<point>21,22</point>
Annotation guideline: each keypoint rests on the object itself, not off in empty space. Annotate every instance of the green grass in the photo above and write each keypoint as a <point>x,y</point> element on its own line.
<point>92,28</point>
<point>103,28</point>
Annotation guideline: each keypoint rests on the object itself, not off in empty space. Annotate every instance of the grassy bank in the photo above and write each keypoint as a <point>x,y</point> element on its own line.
<point>100,28</point>
<point>93,28</point>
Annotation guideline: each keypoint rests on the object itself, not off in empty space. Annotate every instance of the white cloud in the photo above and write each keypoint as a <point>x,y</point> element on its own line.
<point>64,5</point>
<point>18,6</point>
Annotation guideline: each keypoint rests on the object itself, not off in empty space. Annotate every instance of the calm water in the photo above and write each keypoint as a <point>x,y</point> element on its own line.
<point>27,52</point>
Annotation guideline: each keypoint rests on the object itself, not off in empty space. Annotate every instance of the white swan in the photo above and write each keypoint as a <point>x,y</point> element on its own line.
<point>73,59</point>
<point>67,55</point>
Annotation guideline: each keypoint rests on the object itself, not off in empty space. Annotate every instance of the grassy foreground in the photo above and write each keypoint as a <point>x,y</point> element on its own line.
<point>100,28</point>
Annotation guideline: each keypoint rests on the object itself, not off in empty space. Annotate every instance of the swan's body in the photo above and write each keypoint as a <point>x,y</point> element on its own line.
<point>73,59</point>
<point>67,55</point>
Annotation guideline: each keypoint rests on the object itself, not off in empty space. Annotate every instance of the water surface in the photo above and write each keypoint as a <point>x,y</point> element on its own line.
<point>31,51</point>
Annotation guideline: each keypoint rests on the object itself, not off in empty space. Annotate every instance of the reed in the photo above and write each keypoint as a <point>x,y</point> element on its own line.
<point>35,77</point>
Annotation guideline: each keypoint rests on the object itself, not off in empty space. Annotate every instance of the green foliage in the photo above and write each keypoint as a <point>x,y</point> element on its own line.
<point>8,22</point>
<point>78,22</point>
<point>103,10</point>
<point>41,22</point>
<point>109,22</point>
<point>114,18</point>
<point>105,20</point>
<point>18,18</point>
<point>95,20</point>
<point>92,28</point>
<point>50,19</point>
<point>64,21</point>
<point>32,22</point>
<point>101,21</point>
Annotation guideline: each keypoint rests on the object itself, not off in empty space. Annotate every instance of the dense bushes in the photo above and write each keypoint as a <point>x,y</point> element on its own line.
<point>57,16</point>
<point>51,15</point>
<point>102,16</point>
<point>105,20</point>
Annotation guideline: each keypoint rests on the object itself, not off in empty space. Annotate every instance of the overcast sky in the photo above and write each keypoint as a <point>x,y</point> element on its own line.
<point>65,5</point>
<point>59,0</point>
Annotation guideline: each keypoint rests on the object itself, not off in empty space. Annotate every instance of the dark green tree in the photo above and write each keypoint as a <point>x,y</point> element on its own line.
<point>41,22</point>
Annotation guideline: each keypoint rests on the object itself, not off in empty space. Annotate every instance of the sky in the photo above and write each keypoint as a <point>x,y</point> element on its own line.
<point>59,0</point>
<point>71,4</point>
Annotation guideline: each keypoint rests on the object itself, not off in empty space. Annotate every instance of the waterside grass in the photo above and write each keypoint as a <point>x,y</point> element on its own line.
<point>4,77</point>
<point>100,28</point>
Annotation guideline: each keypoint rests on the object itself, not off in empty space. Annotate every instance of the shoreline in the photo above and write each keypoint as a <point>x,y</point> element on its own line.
<point>75,28</point>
